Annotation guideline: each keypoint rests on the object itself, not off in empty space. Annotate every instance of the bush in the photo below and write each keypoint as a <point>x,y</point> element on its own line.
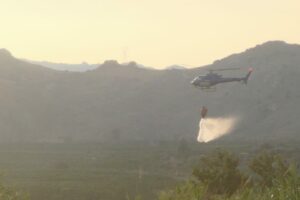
<point>219,173</point>
<point>269,167</point>
<point>7,193</point>
<point>218,178</point>
<point>187,191</point>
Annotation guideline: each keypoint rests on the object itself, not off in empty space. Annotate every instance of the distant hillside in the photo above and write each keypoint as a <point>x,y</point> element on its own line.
<point>82,67</point>
<point>125,102</point>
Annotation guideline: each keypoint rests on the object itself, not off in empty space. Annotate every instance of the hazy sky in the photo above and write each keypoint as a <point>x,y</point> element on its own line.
<point>154,32</point>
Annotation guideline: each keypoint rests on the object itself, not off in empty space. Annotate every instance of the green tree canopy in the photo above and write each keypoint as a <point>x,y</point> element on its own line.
<point>219,172</point>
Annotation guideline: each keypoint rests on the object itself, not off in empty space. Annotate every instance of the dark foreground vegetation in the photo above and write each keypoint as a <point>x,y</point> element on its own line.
<point>150,170</point>
<point>218,177</point>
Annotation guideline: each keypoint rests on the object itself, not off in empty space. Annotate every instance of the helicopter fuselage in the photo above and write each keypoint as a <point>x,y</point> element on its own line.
<point>206,83</point>
<point>212,79</point>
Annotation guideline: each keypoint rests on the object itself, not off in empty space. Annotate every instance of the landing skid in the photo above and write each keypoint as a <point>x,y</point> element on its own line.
<point>209,89</point>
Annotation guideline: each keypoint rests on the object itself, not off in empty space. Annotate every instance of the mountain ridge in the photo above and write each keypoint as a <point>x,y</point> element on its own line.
<point>125,102</point>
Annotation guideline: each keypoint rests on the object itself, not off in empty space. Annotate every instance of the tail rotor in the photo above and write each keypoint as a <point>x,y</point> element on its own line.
<point>250,70</point>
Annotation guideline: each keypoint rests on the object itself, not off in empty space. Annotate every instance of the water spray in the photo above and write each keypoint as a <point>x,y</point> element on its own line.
<point>213,128</point>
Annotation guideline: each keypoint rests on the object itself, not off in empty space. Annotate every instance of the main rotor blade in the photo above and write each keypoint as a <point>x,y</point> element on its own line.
<point>225,69</point>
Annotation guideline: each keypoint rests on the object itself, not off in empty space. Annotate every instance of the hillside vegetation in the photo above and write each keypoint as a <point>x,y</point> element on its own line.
<point>126,102</point>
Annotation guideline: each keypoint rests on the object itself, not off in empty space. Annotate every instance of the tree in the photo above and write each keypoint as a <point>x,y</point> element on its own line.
<point>219,172</point>
<point>269,167</point>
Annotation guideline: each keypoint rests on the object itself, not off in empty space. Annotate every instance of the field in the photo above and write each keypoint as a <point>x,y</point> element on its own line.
<point>109,171</point>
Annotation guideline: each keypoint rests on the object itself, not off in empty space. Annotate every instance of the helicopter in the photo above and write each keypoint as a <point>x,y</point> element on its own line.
<point>211,79</point>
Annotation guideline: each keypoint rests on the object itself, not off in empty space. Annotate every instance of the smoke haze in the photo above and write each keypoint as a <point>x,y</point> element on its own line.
<point>213,128</point>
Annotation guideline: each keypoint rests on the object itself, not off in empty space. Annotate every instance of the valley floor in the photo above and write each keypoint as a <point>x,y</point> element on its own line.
<point>111,171</point>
